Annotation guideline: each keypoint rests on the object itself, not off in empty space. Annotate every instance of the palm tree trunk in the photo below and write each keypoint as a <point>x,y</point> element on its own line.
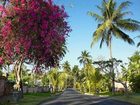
<point>111,69</point>
<point>110,49</point>
<point>89,88</point>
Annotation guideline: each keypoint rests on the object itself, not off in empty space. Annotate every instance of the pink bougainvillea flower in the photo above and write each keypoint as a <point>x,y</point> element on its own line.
<point>1,60</point>
<point>34,30</point>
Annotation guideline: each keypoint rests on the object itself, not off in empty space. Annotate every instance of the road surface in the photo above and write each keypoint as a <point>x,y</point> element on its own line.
<point>72,97</point>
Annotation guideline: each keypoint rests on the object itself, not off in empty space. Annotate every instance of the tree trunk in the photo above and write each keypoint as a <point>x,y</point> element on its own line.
<point>18,73</point>
<point>89,88</point>
<point>111,69</point>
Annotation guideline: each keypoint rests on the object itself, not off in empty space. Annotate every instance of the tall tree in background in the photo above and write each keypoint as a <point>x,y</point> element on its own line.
<point>75,74</point>
<point>66,67</point>
<point>67,70</point>
<point>53,78</point>
<point>112,23</point>
<point>85,58</point>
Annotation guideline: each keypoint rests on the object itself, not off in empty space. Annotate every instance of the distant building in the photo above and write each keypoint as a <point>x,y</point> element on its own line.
<point>119,87</point>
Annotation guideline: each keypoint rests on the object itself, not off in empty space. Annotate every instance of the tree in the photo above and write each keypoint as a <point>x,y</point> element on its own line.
<point>45,80</point>
<point>53,78</point>
<point>84,58</point>
<point>80,83</point>
<point>112,23</point>
<point>96,77</point>
<point>66,67</point>
<point>108,68</point>
<point>67,70</point>
<point>135,83</point>
<point>134,64</point>
<point>61,81</point>
<point>33,31</point>
<point>134,71</point>
<point>75,74</point>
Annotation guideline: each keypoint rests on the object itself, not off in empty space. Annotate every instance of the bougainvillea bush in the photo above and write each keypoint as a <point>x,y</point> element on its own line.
<point>33,31</point>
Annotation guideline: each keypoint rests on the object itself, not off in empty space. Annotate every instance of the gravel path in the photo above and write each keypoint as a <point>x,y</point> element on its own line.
<point>72,97</point>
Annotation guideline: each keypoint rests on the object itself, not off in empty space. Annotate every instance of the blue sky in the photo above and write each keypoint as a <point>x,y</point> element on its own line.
<point>83,26</point>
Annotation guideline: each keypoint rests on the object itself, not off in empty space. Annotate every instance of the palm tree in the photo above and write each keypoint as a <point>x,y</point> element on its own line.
<point>85,58</point>
<point>53,78</point>
<point>66,67</point>
<point>112,23</point>
<point>75,74</point>
<point>61,81</point>
<point>67,70</point>
<point>81,80</point>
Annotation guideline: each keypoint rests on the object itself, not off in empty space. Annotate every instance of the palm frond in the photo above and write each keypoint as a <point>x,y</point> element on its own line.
<point>127,24</point>
<point>120,34</point>
<point>133,21</point>
<point>102,9</point>
<point>137,36</point>
<point>97,35</point>
<point>103,39</point>
<point>112,7</point>
<point>138,44</point>
<point>96,16</point>
<point>124,5</point>
<point>118,15</point>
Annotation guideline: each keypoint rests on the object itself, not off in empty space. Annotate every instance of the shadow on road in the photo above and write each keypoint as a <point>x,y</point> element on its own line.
<point>72,97</point>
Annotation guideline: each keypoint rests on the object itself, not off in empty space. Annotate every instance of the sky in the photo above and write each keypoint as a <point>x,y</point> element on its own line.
<point>83,26</point>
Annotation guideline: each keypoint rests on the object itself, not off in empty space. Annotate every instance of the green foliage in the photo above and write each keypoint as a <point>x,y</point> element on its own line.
<point>135,83</point>
<point>134,64</point>
<point>134,71</point>
<point>53,77</point>
<point>112,22</point>
<point>85,58</point>
<point>135,98</point>
<point>45,80</point>
<point>66,67</point>
<point>0,72</point>
<point>62,81</point>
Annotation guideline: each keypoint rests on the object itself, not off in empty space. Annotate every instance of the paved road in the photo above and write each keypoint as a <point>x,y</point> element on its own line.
<point>72,97</point>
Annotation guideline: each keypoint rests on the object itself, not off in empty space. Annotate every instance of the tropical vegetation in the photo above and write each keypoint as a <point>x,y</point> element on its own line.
<point>113,24</point>
<point>33,38</point>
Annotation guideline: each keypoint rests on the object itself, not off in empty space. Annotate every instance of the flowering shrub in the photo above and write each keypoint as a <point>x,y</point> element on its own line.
<point>34,31</point>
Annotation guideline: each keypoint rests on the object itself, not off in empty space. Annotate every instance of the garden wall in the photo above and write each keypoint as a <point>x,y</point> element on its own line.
<point>27,89</point>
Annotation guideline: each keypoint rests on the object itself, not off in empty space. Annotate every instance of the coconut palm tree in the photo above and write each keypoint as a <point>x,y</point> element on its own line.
<point>61,80</point>
<point>81,80</point>
<point>66,67</point>
<point>67,70</point>
<point>75,74</point>
<point>112,23</point>
<point>85,58</point>
<point>53,78</point>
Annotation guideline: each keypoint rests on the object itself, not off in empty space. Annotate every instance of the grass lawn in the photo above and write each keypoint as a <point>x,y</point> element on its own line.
<point>135,98</point>
<point>32,99</point>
